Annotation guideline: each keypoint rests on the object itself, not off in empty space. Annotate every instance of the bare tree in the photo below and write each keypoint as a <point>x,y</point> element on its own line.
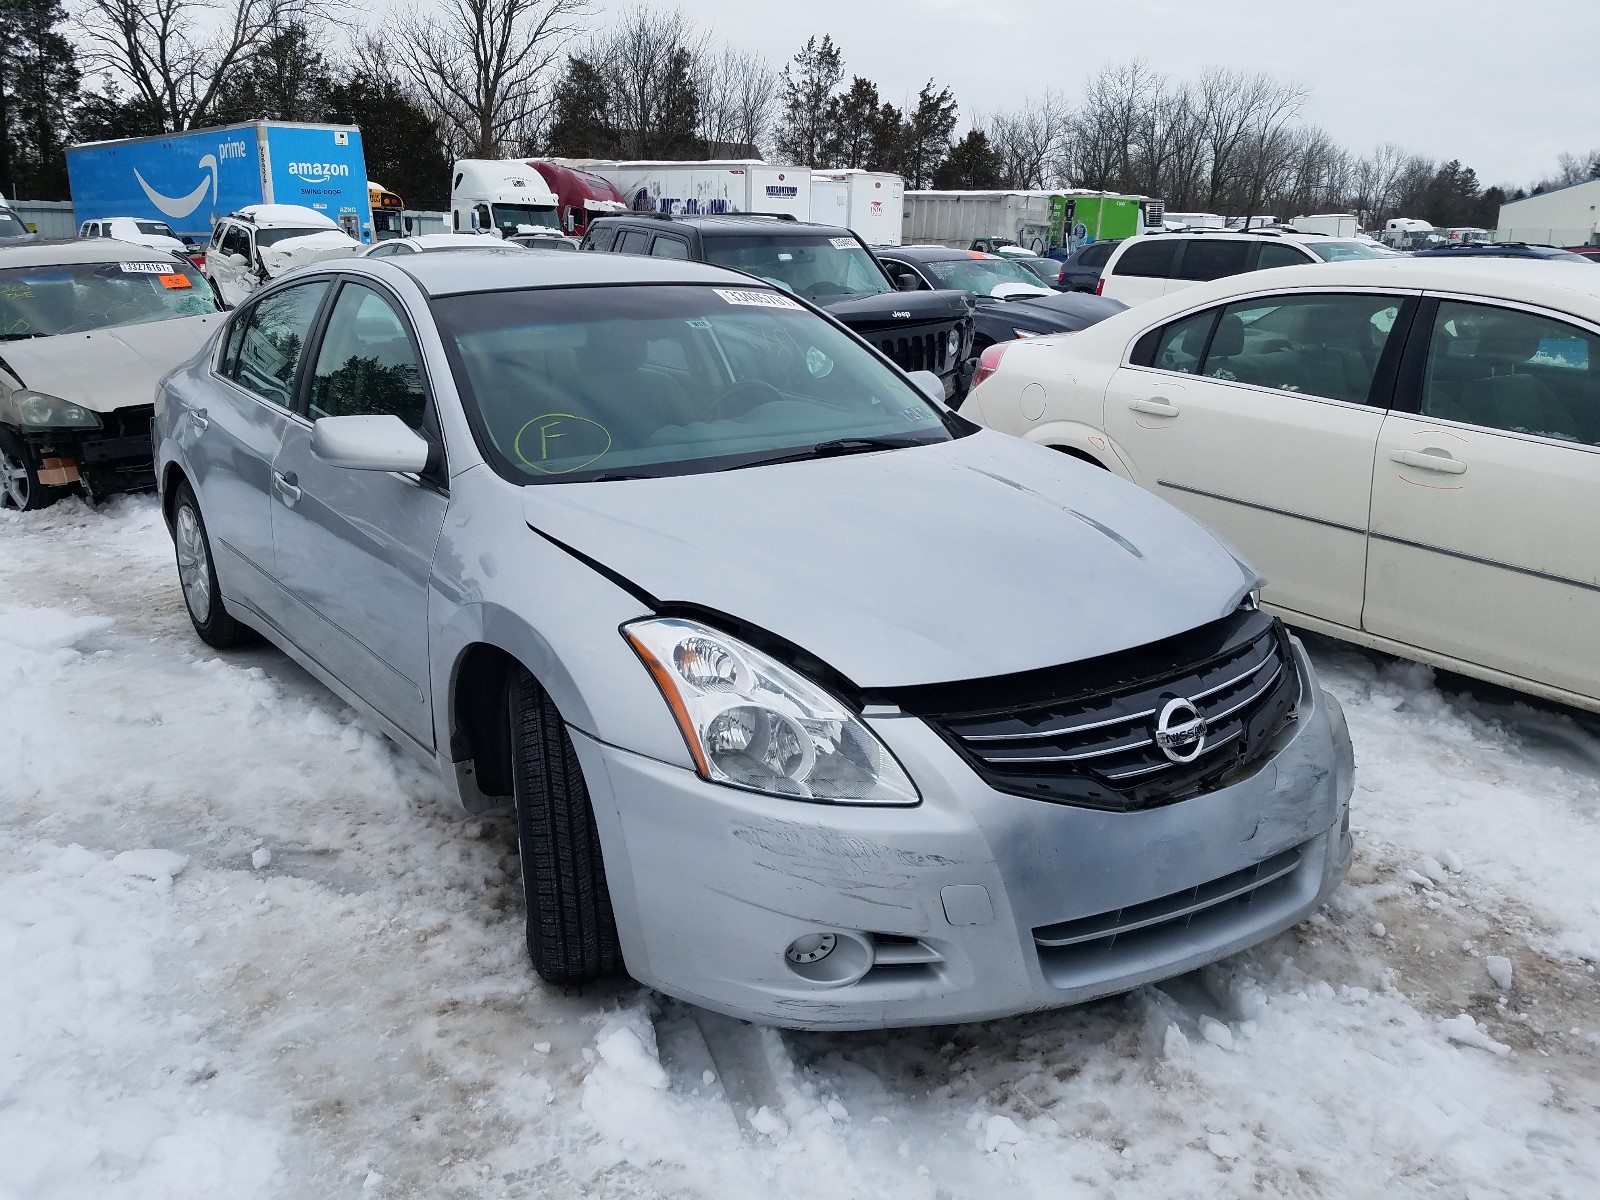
<point>160,50</point>
<point>652,63</point>
<point>485,66</point>
<point>738,96</point>
<point>1032,142</point>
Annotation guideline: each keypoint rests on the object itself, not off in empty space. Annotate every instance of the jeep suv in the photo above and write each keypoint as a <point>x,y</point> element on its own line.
<point>825,264</point>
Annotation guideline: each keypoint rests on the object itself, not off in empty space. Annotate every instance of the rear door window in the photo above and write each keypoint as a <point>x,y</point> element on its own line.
<point>1097,254</point>
<point>632,241</point>
<point>1320,345</point>
<point>1178,346</point>
<point>1148,258</point>
<point>1276,254</point>
<point>669,247</point>
<point>270,350</point>
<point>1213,258</point>
<point>1512,370</point>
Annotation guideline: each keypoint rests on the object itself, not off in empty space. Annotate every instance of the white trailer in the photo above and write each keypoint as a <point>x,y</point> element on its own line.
<point>957,219</point>
<point>687,189</point>
<point>870,203</point>
<point>1409,233</point>
<point>1339,225</point>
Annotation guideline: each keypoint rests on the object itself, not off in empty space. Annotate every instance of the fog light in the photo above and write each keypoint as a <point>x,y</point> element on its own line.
<point>813,947</point>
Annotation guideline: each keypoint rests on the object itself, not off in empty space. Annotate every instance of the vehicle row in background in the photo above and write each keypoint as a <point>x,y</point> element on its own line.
<point>1408,448</point>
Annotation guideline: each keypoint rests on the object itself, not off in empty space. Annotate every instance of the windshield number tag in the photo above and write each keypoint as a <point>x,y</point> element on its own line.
<point>146,268</point>
<point>842,243</point>
<point>755,299</point>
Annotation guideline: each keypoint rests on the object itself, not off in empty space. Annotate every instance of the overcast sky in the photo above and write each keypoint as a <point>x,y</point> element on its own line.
<point>1504,87</point>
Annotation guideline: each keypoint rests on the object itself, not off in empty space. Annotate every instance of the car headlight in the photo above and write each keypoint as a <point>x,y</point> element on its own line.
<point>955,342</point>
<point>751,722</point>
<point>43,411</point>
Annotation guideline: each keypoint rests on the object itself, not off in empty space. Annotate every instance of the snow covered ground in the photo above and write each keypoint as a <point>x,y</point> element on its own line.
<point>245,952</point>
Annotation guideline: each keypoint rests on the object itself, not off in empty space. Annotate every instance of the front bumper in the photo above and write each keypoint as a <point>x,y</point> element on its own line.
<point>114,458</point>
<point>974,904</point>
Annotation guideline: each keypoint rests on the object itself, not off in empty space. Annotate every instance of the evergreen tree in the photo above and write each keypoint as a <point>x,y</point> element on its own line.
<point>580,127</point>
<point>287,79</point>
<point>973,163</point>
<point>808,84</point>
<point>926,135</point>
<point>401,139</point>
<point>108,115</point>
<point>888,151</point>
<point>677,134</point>
<point>38,90</point>
<point>853,118</point>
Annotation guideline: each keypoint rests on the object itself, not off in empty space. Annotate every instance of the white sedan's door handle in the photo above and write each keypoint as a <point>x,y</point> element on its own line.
<point>1156,408</point>
<point>1441,461</point>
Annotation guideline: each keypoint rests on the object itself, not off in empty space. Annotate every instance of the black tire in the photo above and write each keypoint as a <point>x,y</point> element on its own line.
<point>572,934</point>
<point>19,476</point>
<point>192,546</point>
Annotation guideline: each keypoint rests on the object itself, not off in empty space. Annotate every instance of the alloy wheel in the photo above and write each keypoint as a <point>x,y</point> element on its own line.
<point>16,483</point>
<point>194,564</point>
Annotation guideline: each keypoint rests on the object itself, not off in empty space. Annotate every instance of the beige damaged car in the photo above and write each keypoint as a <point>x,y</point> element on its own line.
<point>87,330</point>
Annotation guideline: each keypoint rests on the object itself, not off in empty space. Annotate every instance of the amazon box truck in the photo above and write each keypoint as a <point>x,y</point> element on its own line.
<point>189,180</point>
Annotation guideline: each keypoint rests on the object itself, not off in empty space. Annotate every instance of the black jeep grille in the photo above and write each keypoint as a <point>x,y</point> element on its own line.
<point>1086,733</point>
<point>920,352</point>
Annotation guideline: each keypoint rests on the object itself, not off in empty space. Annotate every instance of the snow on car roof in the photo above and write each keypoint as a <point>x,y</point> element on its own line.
<point>286,214</point>
<point>495,270</point>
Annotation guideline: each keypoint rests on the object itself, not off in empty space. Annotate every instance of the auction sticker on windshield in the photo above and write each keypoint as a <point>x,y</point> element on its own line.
<point>758,299</point>
<point>146,268</point>
<point>842,243</point>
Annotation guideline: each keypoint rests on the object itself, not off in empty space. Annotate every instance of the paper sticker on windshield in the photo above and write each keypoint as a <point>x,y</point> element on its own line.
<point>755,299</point>
<point>146,268</point>
<point>175,281</point>
<point>842,243</point>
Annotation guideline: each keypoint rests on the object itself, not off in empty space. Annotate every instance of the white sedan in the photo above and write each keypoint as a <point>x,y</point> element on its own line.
<point>423,243</point>
<point>1408,449</point>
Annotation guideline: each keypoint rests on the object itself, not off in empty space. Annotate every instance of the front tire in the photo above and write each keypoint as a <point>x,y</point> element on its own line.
<point>198,575</point>
<point>572,934</point>
<point>19,477</point>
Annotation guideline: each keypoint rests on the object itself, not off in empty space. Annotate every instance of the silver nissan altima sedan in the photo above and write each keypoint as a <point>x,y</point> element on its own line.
<point>818,705</point>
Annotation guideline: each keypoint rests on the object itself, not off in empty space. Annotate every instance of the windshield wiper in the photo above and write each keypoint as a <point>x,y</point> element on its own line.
<point>837,448</point>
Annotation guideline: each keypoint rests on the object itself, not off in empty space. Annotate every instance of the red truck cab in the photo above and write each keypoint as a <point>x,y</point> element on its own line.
<point>580,196</point>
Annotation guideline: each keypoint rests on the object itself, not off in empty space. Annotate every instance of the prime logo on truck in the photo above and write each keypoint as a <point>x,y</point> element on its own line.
<point>192,179</point>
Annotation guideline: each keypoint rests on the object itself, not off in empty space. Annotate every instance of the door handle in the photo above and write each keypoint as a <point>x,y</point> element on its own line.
<point>1429,462</point>
<point>286,488</point>
<point>1156,408</point>
<point>198,418</point>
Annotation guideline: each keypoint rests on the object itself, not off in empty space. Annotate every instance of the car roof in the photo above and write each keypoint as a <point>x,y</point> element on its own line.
<point>937,253</point>
<point>493,270</point>
<point>63,251</point>
<point>731,224</point>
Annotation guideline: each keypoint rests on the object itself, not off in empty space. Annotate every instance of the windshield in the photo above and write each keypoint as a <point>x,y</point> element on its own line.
<point>74,298</point>
<point>817,267</point>
<point>572,384</point>
<point>11,225</point>
<point>1339,250</point>
<point>508,216</point>
<point>980,276</point>
<point>158,228</point>
<point>271,237</point>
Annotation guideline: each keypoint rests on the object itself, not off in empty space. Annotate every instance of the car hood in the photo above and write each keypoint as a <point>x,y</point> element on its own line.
<point>305,250</point>
<point>982,556</point>
<point>1068,311</point>
<point>107,369</point>
<point>895,309</point>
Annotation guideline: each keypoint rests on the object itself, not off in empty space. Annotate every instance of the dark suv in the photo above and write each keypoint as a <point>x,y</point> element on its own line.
<point>1080,270</point>
<point>825,264</point>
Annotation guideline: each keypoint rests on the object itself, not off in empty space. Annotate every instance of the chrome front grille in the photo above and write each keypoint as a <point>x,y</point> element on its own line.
<point>1087,734</point>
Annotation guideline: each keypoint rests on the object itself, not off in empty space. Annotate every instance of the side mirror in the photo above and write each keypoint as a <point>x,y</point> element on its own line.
<point>929,384</point>
<point>377,443</point>
<point>906,283</point>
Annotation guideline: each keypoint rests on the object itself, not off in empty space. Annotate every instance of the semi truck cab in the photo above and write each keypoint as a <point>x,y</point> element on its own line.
<point>502,197</point>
